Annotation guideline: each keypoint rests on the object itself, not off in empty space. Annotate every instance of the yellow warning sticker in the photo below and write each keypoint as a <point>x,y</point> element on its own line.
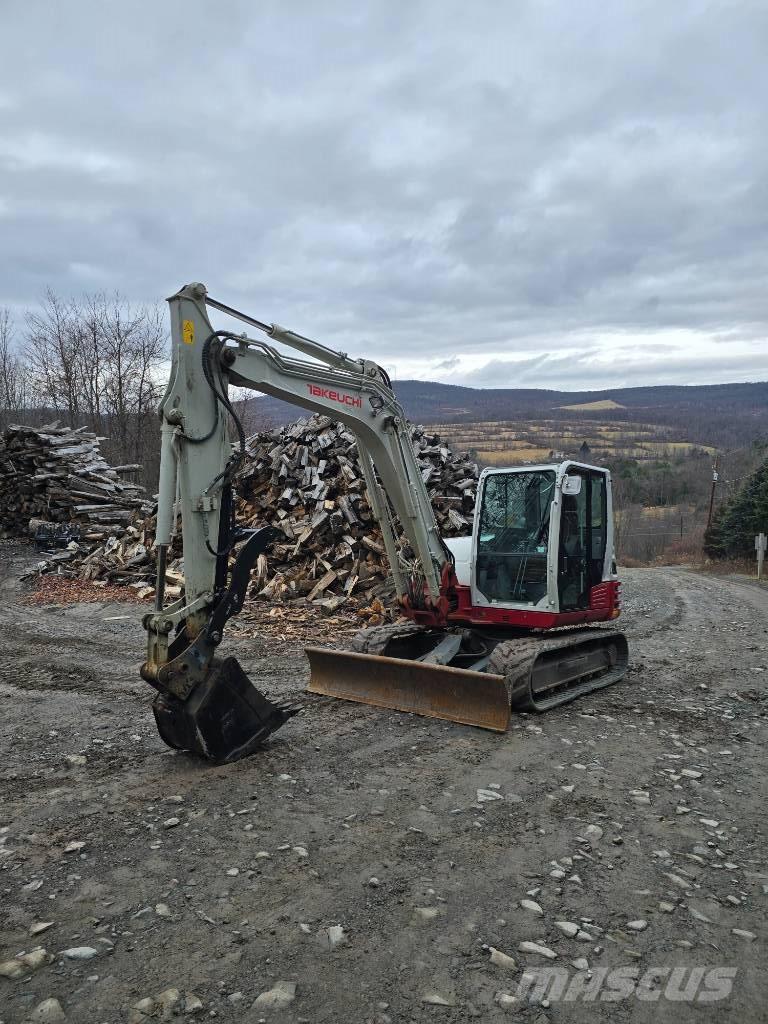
<point>188,332</point>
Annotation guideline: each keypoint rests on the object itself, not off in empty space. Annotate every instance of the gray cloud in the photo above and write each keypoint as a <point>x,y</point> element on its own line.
<point>590,370</point>
<point>417,182</point>
<point>448,364</point>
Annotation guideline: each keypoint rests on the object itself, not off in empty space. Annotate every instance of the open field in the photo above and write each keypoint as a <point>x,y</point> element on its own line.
<point>637,813</point>
<point>512,442</point>
<point>598,406</point>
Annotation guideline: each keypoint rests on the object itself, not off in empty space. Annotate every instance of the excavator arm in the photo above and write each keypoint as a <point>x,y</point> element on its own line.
<point>206,704</point>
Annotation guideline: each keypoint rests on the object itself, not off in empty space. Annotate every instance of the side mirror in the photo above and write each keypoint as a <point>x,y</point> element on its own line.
<point>572,485</point>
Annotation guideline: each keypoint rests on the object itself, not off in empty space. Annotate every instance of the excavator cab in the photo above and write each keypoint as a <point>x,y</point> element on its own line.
<point>542,538</point>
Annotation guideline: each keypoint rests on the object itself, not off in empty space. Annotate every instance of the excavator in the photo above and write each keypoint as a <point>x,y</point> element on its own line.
<point>502,621</point>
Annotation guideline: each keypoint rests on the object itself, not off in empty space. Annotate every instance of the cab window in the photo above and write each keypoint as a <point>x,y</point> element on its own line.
<point>513,535</point>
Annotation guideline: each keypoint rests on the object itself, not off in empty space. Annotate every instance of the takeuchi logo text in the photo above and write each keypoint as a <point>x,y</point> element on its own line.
<point>335,396</point>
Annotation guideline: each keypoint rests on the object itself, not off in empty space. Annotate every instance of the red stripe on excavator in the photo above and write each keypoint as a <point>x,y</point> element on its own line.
<point>604,604</point>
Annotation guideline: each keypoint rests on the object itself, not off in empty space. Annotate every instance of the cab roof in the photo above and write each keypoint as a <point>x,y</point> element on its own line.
<point>555,467</point>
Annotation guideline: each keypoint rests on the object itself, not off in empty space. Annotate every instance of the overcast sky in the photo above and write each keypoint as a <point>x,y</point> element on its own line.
<point>509,193</point>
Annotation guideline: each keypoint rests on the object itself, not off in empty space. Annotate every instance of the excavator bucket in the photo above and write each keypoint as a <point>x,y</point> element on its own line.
<point>224,718</point>
<point>437,691</point>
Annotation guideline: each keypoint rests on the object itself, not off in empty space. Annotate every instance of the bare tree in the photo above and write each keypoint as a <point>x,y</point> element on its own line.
<point>15,395</point>
<point>54,356</point>
<point>99,362</point>
<point>126,346</point>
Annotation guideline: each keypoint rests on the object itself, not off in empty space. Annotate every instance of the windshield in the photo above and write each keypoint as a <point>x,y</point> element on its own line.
<point>514,516</point>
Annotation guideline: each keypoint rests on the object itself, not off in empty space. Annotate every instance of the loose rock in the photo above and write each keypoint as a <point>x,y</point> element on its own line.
<point>436,999</point>
<point>50,1011</point>
<point>332,937</point>
<point>505,1000</point>
<point>568,928</point>
<point>80,952</point>
<point>500,959</point>
<point>192,1004</point>
<point>534,947</point>
<point>532,906</point>
<point>26,963</point>
<point>41,926</point>
<point>167,1001</point>
<point>278,997</point>
<point>142,1011</point>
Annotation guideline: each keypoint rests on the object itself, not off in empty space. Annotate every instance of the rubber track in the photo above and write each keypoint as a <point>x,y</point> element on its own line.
<point>514,659</point>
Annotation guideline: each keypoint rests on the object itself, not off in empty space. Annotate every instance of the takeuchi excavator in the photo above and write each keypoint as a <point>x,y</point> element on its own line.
<point>497,622</point>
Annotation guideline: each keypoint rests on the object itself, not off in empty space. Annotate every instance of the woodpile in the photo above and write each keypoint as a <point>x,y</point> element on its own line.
<point>57,475</point>
<point>130,560</point>
<point>306,481</point>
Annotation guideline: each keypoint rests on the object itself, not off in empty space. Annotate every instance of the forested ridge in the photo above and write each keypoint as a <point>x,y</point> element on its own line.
<point>721,415</point>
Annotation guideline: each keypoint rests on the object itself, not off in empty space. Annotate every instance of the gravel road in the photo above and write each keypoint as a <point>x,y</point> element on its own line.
<point>352,871</point>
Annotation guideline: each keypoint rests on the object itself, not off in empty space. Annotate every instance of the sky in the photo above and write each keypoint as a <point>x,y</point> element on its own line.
<point>516,193</point>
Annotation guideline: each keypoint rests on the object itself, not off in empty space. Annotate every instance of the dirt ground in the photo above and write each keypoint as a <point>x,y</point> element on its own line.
<point>211,885</point>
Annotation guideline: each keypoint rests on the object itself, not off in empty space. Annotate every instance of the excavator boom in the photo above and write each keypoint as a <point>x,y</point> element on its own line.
<point>204,704</point>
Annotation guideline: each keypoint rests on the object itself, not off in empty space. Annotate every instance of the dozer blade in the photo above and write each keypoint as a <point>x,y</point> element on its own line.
<point>437,691</point>
<point>224,718</point>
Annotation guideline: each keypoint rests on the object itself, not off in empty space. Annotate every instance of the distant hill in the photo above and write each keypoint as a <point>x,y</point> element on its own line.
<point>722,415</point>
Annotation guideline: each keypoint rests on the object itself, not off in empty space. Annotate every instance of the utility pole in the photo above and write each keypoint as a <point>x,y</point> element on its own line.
<point>712,494</point>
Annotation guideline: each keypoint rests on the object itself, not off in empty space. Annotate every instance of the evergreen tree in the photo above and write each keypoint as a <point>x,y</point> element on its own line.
<point>735,525</point>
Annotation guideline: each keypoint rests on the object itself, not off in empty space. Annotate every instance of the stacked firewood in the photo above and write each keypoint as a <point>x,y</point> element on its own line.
<point>130,559</point>
<point>57,475</point>
<point>305,480</point>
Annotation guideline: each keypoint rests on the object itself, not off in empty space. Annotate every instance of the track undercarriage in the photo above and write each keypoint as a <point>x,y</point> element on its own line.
<point>467,675</point>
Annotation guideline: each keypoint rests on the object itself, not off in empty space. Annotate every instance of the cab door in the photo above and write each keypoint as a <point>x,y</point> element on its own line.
<point>582,540</point>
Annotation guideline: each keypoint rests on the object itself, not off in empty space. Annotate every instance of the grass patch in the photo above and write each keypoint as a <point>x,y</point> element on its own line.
<point>511,457</point>
<point>602,405</point>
